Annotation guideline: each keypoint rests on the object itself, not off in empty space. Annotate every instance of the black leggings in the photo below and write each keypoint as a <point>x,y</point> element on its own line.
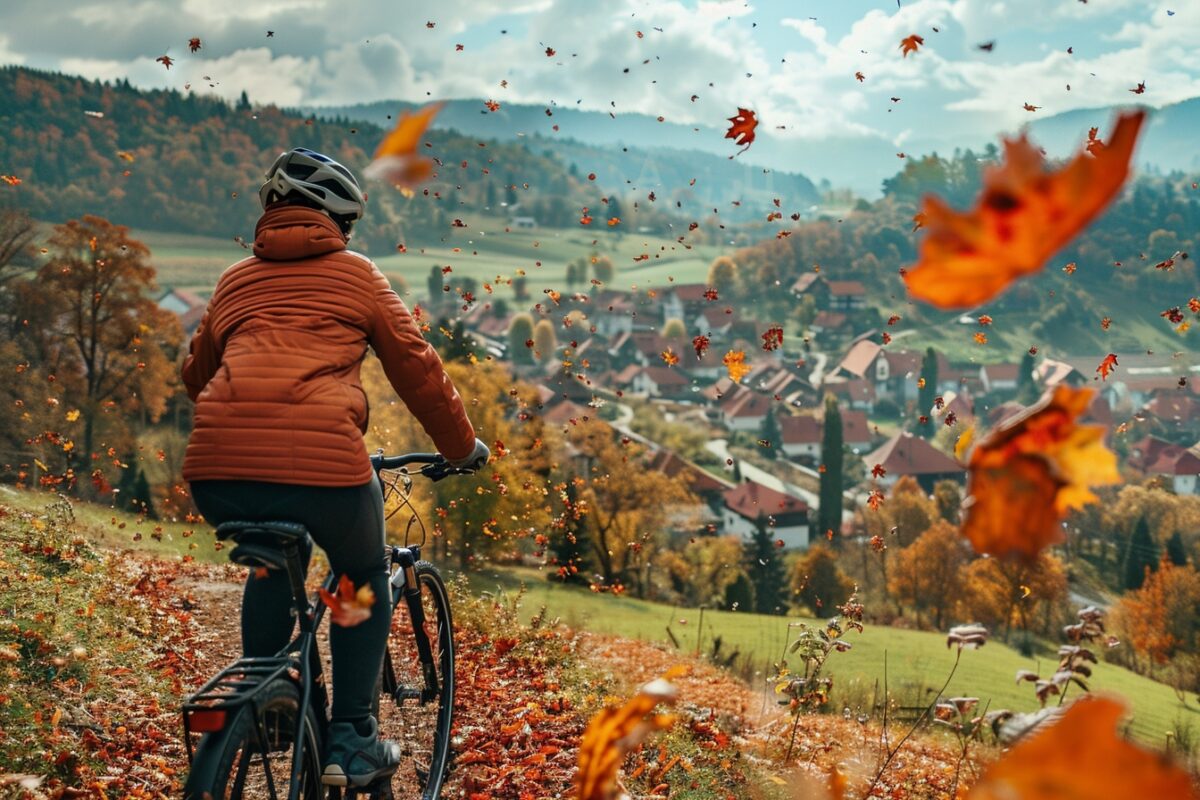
<point>347,523</point>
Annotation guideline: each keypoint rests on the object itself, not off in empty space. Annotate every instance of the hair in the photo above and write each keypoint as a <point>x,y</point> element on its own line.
<point>344,223</point>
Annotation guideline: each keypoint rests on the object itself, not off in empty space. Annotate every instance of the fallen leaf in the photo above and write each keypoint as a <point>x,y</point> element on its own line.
<point>1034,467</point>
<point>1082,757</point>
<point>348,607</point>
<point>1024,215</point>
<point>909,44</point>
<point>614,732</point>
<point>396,159</point>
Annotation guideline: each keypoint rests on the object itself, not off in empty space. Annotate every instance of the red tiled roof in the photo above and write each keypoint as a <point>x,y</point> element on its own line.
<point>1146,451</point>
<point>671,464</point>
<point>189,298</point>
<point>689,292</point>
<point>805,282</point>
<point>905,454</point>
<point>1002,372</point>
<point>1174,407</point>
<point>800,430</point>
<point>717,318</point>
<point>746,404</point>
<point>829,320</point>
<point>623,377</point>
<point>567,411</point>
<point>751,499</point>
<point>665,376</point>
<point>190,319</point>
<point>846,288</point>
<point>856,389</point>
<point>1175,460</point>
<point>860,357</point>
<point>855,427</point>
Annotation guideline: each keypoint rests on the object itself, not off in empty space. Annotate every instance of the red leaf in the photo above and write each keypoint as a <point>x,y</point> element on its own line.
<point>742,129</point>
<point>1106,366</point>
<point>909,44</point>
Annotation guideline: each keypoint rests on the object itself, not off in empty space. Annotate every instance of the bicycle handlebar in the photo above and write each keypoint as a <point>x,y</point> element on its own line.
<point>435,465</point>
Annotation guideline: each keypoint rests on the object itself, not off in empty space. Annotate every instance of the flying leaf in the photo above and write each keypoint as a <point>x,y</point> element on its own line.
<point>669,357</point>
<point>614,732</point>
<point>773,338</point>
<point>194,43</point>
<point>742,129</point>
<point>909,44</point>
<point>396,159</point>
<point>1033,468</point>
<point>700,343</point>
<point>1024,215</point>
<point>735,362</point>
<point>1080,756</point>
<point>166,61</point>
<point>858,76</point>
<point>1106,366</point>
<point>348,607</point>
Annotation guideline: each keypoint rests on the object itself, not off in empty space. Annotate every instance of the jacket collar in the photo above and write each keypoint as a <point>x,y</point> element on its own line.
<point>289,233</point>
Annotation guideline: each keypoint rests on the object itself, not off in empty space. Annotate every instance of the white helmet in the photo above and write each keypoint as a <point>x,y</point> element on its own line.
<point>318,178</point>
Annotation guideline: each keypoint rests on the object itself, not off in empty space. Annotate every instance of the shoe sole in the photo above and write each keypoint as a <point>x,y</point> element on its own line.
<point>334,776</point>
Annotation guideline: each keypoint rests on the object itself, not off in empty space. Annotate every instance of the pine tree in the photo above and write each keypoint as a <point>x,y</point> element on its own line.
<point>927,392</point>
<point>1142,554</point>
<point>1026,385</point>
<point>434,284</point>
<point>770,433</point>
<point>739,595</point>
<point>571,549</point>
<point>829,514</point>
<point>765,569</point>
<point>1176,552</point>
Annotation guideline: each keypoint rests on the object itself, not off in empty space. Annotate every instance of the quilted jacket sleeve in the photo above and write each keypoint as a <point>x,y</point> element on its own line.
<point>415,371</point>
<point>203,359</point>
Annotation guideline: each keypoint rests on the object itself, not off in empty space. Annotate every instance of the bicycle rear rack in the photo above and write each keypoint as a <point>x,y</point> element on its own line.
<point>219,700</point>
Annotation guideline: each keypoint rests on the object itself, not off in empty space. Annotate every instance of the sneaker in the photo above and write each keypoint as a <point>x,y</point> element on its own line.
<point>357,760</point>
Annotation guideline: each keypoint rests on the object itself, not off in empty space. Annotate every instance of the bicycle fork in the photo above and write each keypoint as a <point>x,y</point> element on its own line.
<point>406,559</point>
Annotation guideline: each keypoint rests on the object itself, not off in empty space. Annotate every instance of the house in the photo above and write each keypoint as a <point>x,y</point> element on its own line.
<point>847,296</point>
<point>906,454</point>
<point>856,431</point>
<point>187,305</point>
<point>569,413</point>
<point>683,301</point>
<point>661,382</point>
<point>1177,414</point>
<point>1146,451</point>
<point>892,373</point>
<point>1051,373</point>
<point>801,437</point>
<point>854,392</point>
<point>704,485</point>
<point>1000,377</point>
<point>744,410</point>
<point>788,515</point>
<point>829,323</point>
<point>811,284</point>
<point>1179,467</point>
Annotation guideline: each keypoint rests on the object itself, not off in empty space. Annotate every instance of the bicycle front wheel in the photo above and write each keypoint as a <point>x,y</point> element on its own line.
<point>412,713</point>
<point>252,756</point>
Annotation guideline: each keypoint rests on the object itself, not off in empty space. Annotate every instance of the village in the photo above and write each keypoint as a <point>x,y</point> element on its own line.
<point>618,357</point>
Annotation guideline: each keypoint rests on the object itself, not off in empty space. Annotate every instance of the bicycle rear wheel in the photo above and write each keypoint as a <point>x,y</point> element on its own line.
<point>252,756</point>
<point>417,719</point>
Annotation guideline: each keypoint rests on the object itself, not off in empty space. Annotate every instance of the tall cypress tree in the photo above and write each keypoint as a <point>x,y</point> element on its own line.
<point>1176,552</point>
<point>1026,385</point>
<point>927,393</point>
<point>434,285</point>
<point>829,515</point>
<point>765,569</point>
<point>571,547</point>
<point>771,433</point>
<point>1142,554</point>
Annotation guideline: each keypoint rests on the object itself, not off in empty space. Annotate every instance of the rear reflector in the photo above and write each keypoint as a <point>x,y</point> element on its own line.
<point>206,720</point>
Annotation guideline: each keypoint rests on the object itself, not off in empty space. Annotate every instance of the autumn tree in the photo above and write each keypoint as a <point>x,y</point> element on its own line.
<point>927,576</point>
<point>545,342</point>
<point>1001,593</point>
<point>723,274</point>
<point>701,572</point>
<point>628,507</point>
<point>17,232</point>
<point>674,329</point>
<point>105,339</point>
<point>1160,619</point>
<point>817,582</point>
<point>572,552</point>
<point>520,332</point>
<point>1141,555</point>
<point>947,496</point>
<point>906,514</point>
<point>764,568</point>
<point>603,269</point>
<point>829,511</point>
<point>927,392</point>
<point>1027,389</point>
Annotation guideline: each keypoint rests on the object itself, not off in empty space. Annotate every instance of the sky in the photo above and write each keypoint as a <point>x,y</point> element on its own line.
<point>690,61</point>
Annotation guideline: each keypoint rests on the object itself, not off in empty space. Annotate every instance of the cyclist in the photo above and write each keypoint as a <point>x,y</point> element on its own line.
<point>280,415</point>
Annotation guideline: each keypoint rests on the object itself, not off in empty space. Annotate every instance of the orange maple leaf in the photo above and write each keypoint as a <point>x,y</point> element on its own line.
<point>859,77</point>
<point>1031,107</point>
<point>614,732</point>
<point>1024,215</point>
<point>669,357</point>
<point>700,343</point>
<point>348,607</point>
<point>194,43</point>
<point>909,44</point>
<point>1080,756</point>
<point>1030,470</point>
<point>396,159</point>
<point>1107,365</point>
<point>735,362</point>
<point>166,61</point>
<point>742,129</point>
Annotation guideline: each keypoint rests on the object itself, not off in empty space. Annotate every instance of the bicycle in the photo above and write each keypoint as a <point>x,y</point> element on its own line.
<point>256,710</point>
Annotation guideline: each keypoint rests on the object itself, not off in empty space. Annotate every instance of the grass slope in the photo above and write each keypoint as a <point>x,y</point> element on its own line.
<point>918,661</point>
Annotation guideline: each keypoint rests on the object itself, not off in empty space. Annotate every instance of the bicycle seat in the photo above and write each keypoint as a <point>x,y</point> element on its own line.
<point>260,544</point>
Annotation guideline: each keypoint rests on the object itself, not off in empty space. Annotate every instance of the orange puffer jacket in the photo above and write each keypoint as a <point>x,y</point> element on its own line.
<point>274,365</point>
